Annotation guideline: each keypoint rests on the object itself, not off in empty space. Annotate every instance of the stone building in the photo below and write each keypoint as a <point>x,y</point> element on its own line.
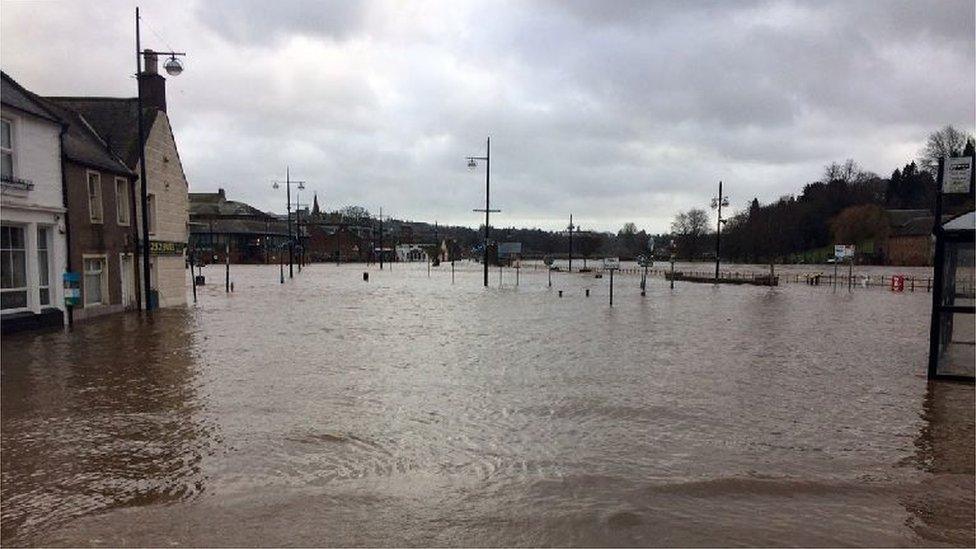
<point>32,212</point>
<point>115,120</point>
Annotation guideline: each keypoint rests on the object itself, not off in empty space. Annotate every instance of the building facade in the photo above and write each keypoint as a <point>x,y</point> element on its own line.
<point>115,121</point>
<point>101,199</point>
<point>221,227</point>
<point>32,212</point>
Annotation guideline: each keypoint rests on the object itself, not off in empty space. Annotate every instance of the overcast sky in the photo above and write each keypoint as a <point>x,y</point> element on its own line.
<point>615,111</point>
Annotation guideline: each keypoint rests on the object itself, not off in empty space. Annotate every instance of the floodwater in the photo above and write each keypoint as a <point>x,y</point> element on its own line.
<point>408,410</point>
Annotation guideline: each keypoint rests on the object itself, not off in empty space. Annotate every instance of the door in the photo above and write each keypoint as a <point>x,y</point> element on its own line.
<point>127,278</point>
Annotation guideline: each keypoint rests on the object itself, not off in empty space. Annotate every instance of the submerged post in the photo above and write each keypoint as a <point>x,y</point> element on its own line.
<point>227,269</point>
<point>611,287</point>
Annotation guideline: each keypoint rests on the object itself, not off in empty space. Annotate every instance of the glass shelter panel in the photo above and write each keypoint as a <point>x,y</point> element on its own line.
<point>957,333</point>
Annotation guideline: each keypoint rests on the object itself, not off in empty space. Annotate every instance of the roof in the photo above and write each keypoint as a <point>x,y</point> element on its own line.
<point>83,145</point>
<point>216,205</point>
<point>962,223</point>
<point>912,222</point>
<point>16,96</point>
<point>115,120</point>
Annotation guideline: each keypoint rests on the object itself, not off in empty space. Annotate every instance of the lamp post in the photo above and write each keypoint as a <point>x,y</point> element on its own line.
<point>570,230</point>
<point>291,241</point>
<point>717,203</point>
<point>173,67</point>
<point>472,164</point>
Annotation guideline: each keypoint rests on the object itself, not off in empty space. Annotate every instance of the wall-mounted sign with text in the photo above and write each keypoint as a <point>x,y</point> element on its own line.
<point>957,174</point>
<point>157,247</point>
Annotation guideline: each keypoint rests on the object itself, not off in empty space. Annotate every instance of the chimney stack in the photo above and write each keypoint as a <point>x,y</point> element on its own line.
<point>152,85</point>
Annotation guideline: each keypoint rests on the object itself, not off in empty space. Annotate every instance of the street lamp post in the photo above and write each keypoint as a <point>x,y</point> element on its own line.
<point>472,164</point>
<point>291,241</point>
<point>717,203</point>
<point>173,67</point>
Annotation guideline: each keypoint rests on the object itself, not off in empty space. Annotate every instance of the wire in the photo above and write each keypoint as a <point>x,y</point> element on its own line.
<point>161,39</point>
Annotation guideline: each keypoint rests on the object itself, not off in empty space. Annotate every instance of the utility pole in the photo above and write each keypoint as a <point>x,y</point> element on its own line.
<point>381,238</point>
<point>717,203</point>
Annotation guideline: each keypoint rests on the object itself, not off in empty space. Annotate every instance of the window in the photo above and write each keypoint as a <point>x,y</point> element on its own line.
<point>122,200</point>
<point>151,211</point>
<point>13,268</point>
<point>95,196</point>
<point>94,280</point>
<point>43,266</point>
<point>7,149</point>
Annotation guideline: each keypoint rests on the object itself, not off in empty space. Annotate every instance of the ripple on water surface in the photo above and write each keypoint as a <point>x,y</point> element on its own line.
<point>408,410</point>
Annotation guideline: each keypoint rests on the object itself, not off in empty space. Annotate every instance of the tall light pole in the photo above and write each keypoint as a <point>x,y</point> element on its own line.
<point>472,164</point>
<point>717,203</point>
<point>173,67</point>
<point>291,241</point>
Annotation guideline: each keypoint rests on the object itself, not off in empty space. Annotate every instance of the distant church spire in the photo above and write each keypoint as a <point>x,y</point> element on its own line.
<point>315,205</point>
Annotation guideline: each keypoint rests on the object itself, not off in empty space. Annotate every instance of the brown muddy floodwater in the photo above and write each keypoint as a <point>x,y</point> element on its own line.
<point>410,411</point>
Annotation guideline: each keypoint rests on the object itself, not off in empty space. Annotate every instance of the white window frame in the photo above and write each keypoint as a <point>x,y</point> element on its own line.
<point>100,218</point>
<point>103,279</point>
<point>47,243</point>
<point>26,289</point>
<point>13,146</point>
<point>122,202</point>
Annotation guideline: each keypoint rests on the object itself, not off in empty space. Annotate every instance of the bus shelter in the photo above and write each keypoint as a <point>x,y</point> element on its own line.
<point>952,347</point>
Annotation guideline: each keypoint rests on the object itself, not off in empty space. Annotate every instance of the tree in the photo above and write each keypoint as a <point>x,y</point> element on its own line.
<point>690,229</point>
<point>859,223</point>
<point>355,212</point>
<point>946,142</point>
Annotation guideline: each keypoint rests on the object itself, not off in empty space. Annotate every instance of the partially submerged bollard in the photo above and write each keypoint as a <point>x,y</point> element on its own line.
<point>365,277</point>
<point>560,293</point>
<point>587,292</point>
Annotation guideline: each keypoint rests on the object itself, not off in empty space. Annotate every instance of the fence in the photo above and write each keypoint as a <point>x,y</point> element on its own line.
<point>912,283</point>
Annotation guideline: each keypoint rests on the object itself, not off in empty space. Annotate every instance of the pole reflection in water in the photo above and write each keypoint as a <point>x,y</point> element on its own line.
<point>410,412</point>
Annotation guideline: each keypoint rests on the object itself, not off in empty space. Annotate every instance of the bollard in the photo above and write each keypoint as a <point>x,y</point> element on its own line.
<point>232,287</point>
<point>366,277</point>
<point>587,292</point>
<point>560,293</point>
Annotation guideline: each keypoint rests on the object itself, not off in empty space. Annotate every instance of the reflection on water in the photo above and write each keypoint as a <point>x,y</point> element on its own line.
<point>943,509</point>
<point>97,422</point>
<point>410,411</point>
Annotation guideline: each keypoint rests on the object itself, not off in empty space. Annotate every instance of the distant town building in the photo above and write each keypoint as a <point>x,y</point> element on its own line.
<point>32,228</point>
<point>411,252</point>
<point>910,241</point>
<point>218,225</point>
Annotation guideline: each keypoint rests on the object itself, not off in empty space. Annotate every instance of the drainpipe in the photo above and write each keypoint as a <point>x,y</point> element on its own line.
<point>67,222</point>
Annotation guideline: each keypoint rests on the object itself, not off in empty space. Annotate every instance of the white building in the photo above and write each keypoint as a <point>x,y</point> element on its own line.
<point>32,212</point>
<point>410,252</point>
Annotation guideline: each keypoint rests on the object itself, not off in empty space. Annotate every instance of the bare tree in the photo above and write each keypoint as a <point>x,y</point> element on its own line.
<point>849,172</point>
<point>946,142</point>
<point>689,229</point>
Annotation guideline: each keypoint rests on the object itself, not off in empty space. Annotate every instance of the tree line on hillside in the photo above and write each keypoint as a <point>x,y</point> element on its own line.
<point>845,205</point>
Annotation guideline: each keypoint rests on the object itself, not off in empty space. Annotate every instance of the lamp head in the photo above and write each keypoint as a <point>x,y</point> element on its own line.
<point>275,185</point>
<point>472,164</point>
<point>173,66</point>
<point>301,186</point>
